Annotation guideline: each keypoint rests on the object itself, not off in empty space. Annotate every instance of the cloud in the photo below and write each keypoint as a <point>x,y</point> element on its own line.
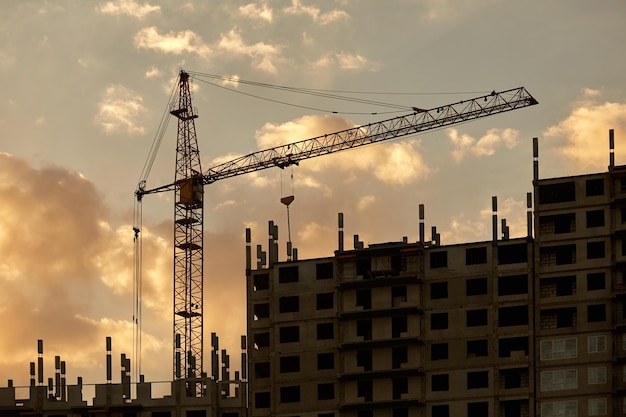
<point>396,163</point>
<point>128,8</point>
<point>176,43</point>
<point>485,146</point>
<point>254,11</point>
<point>311,235</point>
<point>354,62</point>
<point>153,72</point>
<point>582,136</point>
<point>347,62</point>
<point>231,81</point>
<point>442,10</point>
<point>119,111</point>
<point>297,8</point>
<point>6,61</point>
<point>66,273</point>
<point>365,202</point>
<point>264,56</point>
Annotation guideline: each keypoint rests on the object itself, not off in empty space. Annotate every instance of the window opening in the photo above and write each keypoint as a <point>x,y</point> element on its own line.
<point>289,364</point>
<point>476,256</point>
<point>512,285</point>
<point>288,274</point>
<point>438,351</point>
<point>440,382</point>
<point>475,318</point>
<point>325,331</point>
<point>477,379</point>
<point>290,394</point>
<point>289,334</point>
<point>438,259</point>
<point>438,290</point>
<point>476,286</point>
<point>325,301</point>
<point>324,270</point>
<point>477,348</point>
<point>289,304</point>
<point>438,321</point>
<point>513,316</point>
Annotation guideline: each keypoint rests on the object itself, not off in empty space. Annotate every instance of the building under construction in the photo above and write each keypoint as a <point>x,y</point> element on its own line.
<point>510,327</point>
<point>530,326</point>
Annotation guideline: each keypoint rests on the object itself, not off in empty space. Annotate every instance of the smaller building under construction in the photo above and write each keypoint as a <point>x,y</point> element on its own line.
<point>212,395</point>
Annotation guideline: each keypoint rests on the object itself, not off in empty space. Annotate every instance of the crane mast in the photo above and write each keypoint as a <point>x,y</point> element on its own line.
<point>189,195</point>
<point>188,255</point>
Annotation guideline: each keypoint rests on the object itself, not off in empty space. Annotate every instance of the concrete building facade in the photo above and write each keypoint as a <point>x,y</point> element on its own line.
<point>530,326</point>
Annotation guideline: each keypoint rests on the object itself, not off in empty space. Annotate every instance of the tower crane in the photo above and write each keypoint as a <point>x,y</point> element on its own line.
<point>189,182</point>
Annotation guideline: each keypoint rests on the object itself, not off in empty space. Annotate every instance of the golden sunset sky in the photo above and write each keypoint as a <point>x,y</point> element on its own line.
<point>85,83</point>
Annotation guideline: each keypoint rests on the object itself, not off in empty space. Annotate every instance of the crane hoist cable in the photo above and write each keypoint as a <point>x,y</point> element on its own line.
<point>287,200</point>
<point>138,237</point>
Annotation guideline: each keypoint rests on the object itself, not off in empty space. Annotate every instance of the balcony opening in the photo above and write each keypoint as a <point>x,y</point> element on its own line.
<point>364,360</point>
<point>557,224</point>
<point>557,193</point>
<point>514,378</point>
<point>399,325</point>
<point>365,389</point>
<point>364,329</point>
<point>399,386</point>
<point>364,298</point>
<point>261,311</point>
<point>513,347</point>
<point>512,254</point>
<point>399,356</point>
<point>261,282</point>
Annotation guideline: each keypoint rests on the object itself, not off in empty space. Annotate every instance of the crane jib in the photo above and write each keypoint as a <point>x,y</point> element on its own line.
<point>419,121</point>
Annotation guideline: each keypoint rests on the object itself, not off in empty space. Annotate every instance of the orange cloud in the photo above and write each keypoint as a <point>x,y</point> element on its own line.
<point>395,163</point>
<point>485,146</point>
<point>66,274</point>
<point>584,133</point>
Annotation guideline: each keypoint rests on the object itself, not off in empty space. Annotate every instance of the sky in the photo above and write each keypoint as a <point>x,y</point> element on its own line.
<point>85,85</point>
